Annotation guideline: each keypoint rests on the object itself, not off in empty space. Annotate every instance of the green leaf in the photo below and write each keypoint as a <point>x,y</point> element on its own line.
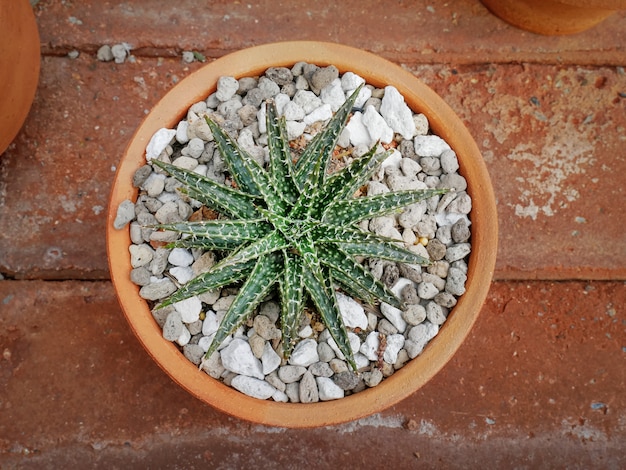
<point>274,241</point>
<point>281,166</point>
<point>320,149</point>
<point>211,193</point>
<point>338,260</point>
<point>291,299</point>
<point>218,276</point>
<point>265,273</point>
<point>349,211</point>
<point>344,183</point>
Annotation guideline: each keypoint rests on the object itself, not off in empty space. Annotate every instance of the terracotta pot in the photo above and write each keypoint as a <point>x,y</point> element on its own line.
<point>19,66</point>
<point>378,72</point>
<point>554,17</point>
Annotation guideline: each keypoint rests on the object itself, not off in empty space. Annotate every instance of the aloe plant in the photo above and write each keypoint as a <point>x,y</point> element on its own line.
<point>292,225</point>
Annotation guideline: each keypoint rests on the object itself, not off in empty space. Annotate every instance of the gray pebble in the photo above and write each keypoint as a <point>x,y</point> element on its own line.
<point>449,161</point>
<point>265,328</point>
<point>105,54</point>
<point>140,255</point>
<point>337,365</point>
<point>386,327</point>
<point>409,294</point>
<point>431,165</point>
<point>427,290</point>
<point>457,252</point>
<point>445,299</point>
<point>391,273</point>
<point>293,392</point>
<point>125,213</point>
<point>321,369</point>
<point>160,314</point>
<point>213,366</point>
<point>157,290</point>
<point>279,75</point>
<point>193,352</point>
<point>140,276</point>
<point>439,268</point>
<point>372,378</point>
<point>435,313</point>
<point>141,174</point>
<point>436,249</point>
<point>346,380</point>
<point>308,389</point>
<point>453,181</point>
<point>257,344</point>
<point>119,52</point>
<point>438,282</point>
<point>159,261</point>
<point>226,88</point>
<point>455,283</point>
<point>195,327</point>
<point>289,374</point>
<point>246,84</point>
<point>412,273</point>
<point>461,205</point>
<point>460,231</point>
<point>173,327</point>
<point>325,352</point>
<point>414,314</point>
<point>274,381</point>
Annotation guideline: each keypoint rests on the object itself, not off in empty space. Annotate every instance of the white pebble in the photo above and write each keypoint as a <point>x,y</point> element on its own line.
<point>333,95</point>
<point>396,113</point>
<point>181,132</point>
<point>253,387</point>
<point>226,88</point>
<point>323,113</point>
<point>350,81</point>
<point>180,257</point>
<point>394,315</point>
<point>158,142</point>
<point>140,255</point>
<point>370,346</point>
<point>189,309</point>
<point>182,275</point>
<point>295,129</point>
<point>305,353</point>
<point>270,360</point>
<point>237,357</point>
<point>184,337</point>
<point>430,145</point>
<point>358,132</point>
<point>376,126</point>
<point>328,390</point>
<point>352,312</point>
<point>394,344</point>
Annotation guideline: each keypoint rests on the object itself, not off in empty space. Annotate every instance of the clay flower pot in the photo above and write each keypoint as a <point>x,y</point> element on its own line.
<point>443,121</point>
<point>19,66</point>
<point>554,17</point>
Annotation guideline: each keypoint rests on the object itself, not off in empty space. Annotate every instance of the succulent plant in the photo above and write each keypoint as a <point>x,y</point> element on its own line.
<point>292,225</point>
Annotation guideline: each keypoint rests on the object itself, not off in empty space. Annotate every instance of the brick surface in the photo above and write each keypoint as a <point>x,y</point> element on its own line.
<point>539,382</point>
<point>460,31</point>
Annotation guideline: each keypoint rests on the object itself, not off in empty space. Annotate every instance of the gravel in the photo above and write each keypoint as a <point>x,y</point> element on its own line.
<point>383,338</point>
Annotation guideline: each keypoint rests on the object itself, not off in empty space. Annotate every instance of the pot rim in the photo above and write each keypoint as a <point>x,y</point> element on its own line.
<point>443,122</point>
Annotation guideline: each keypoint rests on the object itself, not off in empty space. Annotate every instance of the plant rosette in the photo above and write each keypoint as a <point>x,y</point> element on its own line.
<point>300,232</point>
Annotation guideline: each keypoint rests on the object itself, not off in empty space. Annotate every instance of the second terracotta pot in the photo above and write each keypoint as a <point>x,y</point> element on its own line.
<point>443,121</point>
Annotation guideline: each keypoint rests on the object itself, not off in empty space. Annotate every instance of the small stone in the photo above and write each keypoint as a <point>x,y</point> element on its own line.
<point>414,314</point>
<point>435,313</point>
<point>421,124</point>
<point>445,299</point>
<point>430,145</point>
<point>271,310</point>
<point>125,213</point>
<point>325,352</point>
<point>193,352</point>
<point>180,257</point>
<point>182,275</point>
<point>270,360</point>
<point>455,282</point>
<point>386,328</point>
<point>119,52</point>
<point>321,369</point>
<point>328,389</point>
<point>458,252</point>
<point>449,161</point>
<point>226,88</point>
<point>265,328</point>
<point>274,381</point>
<point>184,337</point>
<point>157,289</point>
<point>436,250</point>
<point>394,345</point>
<point>140,255</point>
<point>408,294</point>
<point>394,315</point>
<point>189,309</point>
<point>279,75</point>
<point>158,142</point>
<point>289,374</point>
<point>333,95</point>
<point>186,163</point>
<point>253,387</point>
<point>105,54</point>
<point>396,113</point>
<point>307,100</point>
<point>213,365</point>
<point>257,344</point>
<point>237,357</point>
<point>279,396</point>
<point>337,365</point>
<point>427,290</point>
<point>346,380</point>
<point>292,391</point>
<point>305,353</point>
<point>223,303</point>
<point>195,147</point>
<point>372,378</point>
<point>323,77</point>
<point>370,346</point>
<point>460,231</point>
<point>295,129</point>
<point>376,126</point>
<point>308,388</point>
<point>351,81</point>
<point>352,312</point>
<point>173,327</point>
<point>323,113</point>
<point>140,276</point>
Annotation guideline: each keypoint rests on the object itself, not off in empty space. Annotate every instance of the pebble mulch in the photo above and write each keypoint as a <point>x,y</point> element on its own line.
<point>383,338</point>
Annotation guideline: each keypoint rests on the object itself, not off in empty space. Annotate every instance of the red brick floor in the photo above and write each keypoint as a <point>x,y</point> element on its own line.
<point>538,384</point>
